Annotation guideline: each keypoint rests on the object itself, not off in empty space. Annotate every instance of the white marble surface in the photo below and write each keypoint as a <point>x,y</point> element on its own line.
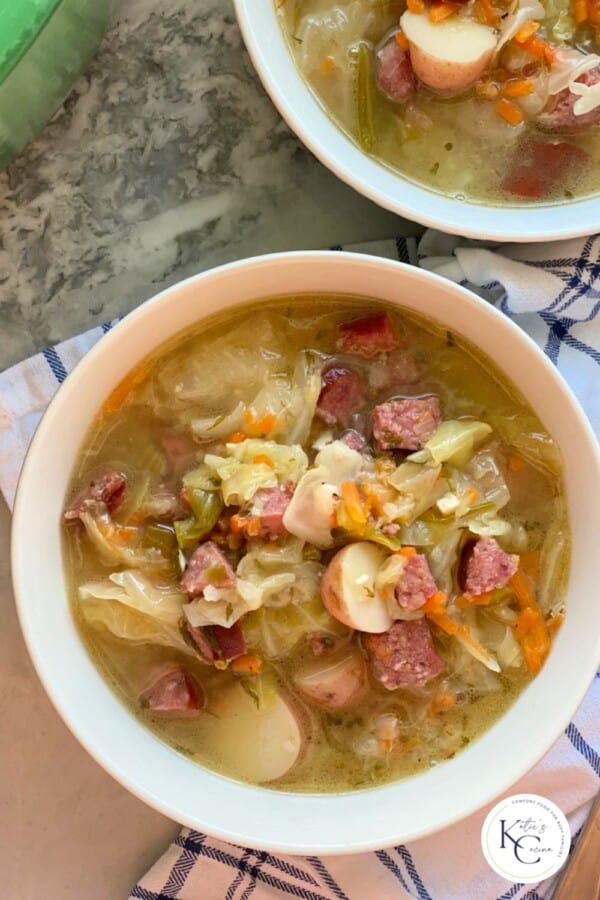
<point>167,158</point>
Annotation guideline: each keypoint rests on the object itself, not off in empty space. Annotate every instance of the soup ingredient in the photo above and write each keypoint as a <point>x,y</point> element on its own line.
<point>395,75</point>
<point>404,655</point>
<point>256,734</point>
<point>563,112</point>
<point>342,394</point>
<point>174,693</point>
<point>207,565</point>
<point>488,567</point>
<point>415,585</point>
<point>368,337</point>
<point>538,166</point>
<point>449,55</point>
<point>405,424</point>
<point>348,588</point>
<point>109,489</point>
<point>337,681</point>
<point>216,644</point>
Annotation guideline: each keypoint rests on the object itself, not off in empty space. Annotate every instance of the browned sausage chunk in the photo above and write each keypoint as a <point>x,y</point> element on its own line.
<point>368,337</point>
<point>403,655</point>
<point>405,424</point>
<point>560,115</point>
<point>488,567</point>
<point>108,489</point>
<point>341,395</point>
<point>207,565</point>
<point>270,504</point>
<point>175,693</point>
<point>416,584</point>
<point>395,76</point>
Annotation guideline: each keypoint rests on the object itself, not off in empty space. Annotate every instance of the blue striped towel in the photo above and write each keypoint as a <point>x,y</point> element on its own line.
<point>553,292</point>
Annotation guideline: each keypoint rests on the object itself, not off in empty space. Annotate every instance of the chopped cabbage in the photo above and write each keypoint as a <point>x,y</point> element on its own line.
<point>523,435</point>
<point>442,558</point>
<point>418,488</point>
<point>241,477</point>
<point>453,442</point>
<point>117,545</point>
<point>134,608</point>
<point>274,631</point>
<point>520,12</point>
<point>483,474</point>
<point>309,515</point>
<point>218,606</point>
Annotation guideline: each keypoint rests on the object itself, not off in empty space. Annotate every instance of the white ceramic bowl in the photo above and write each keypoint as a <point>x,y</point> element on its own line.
<point>307,117</point>
<point>297,823</point>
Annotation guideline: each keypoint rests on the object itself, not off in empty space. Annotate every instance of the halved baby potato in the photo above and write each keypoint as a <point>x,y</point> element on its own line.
<point>451,55</point>
<point>348,588</point>
<point>337,681</point>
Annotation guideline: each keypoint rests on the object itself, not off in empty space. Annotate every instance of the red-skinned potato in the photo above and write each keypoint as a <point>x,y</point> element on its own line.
<point>448,56</point>
<point>348,588</point>
<point>337,681</point>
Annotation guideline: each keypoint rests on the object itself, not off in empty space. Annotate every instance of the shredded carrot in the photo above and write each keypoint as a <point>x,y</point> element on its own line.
<point>488,13</point>
<point>117,396</point>
<point>518,88</point>
<point>579,11</point>
<point>407,551</point>
<point>509,111</point>
<point>472,496</point>
<point>530,630</point>
<point>593,12</point>
<point>435,603</point>
<point>440,10</point>
<point>236,438</point>
<point>247,665</point>
<point>353,502</point>
<point>402,40</point>
<point>235,523</point>
<point>328,65</point>
<point>443,621</point>
<point>234,541</point>
<point>248,525</point>
<point>263,458</point>
<point>125,533</point>
<point>442,702</point>
<point>540,49</point>
<point>484,599</point>
<point>529,563</point>
<point>261,426</point>
<point>526,31</point>
<point>415,6</point>
<point>516,463</point>
<point>554,623</point>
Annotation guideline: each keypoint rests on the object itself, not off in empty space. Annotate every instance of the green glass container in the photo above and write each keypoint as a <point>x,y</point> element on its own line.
<point>44,46</point>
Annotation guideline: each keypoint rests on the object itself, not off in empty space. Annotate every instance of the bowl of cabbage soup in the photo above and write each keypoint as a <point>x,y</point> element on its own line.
<point>479,118</point>
<point>312,551</point>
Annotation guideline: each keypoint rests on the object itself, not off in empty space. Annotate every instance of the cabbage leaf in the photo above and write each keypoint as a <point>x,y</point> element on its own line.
<point>453,442</point>
<point>241,478</point>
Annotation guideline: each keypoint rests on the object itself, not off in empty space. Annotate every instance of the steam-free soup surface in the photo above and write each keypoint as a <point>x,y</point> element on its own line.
<point>486,101</point>
<point>317,543</point>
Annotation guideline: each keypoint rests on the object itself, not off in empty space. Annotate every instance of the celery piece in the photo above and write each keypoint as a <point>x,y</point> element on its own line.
<point>161,537</point>
<point>206,506</point>
<point>364,100</point>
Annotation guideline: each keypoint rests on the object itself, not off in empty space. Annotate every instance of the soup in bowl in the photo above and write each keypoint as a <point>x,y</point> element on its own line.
<point>474,118</point>
<point>317,551</point>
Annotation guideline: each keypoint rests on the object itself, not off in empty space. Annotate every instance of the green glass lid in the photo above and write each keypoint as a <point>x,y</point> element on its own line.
<point>20,23</point>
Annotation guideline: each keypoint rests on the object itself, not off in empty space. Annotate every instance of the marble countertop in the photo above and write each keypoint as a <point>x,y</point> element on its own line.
<point>167,158</point>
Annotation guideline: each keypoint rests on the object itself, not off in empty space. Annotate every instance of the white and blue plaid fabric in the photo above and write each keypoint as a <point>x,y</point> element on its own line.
<point>553,292</point>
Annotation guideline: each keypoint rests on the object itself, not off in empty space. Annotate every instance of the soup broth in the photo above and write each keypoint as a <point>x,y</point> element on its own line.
<point>512,132</point>
<point>241,486</point>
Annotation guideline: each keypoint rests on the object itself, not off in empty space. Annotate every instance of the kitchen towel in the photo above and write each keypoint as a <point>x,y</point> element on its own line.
<point>553,292</point>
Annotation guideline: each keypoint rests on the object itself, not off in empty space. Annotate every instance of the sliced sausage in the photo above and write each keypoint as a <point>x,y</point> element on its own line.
<point>395,76</point>
<point>416,584</point>
<point>214,642</point>
<point>368,337</point>
<point>487,567</point>
<point>175,693</point>
<point>353,439</point>
<point>405,424</point>
<point>207,565</point>
<point>341,395</point>
<point>404,655</point>
<point>393,371</point>
<point>270,504</point>
<point>109,489</point>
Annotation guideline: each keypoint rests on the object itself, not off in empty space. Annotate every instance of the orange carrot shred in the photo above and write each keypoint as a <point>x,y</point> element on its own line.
<point>415,6</point>
<point>328,65</point>
<point>401,40</point>
<point>579,11</point>
<point>118,395</point>
<point>247,664</point>
<point>489,14</point>
<point>440,10</point>
<point>526,31</point>
<point>263,458</point>
<point>516,463</point>
<point>261,426</point>
<point>509,111</point>
<point>236,438</point>
<point>484,599</point>
<point>518,88</point>
<point>353,502</point>
<point>435,604</point>
<point>530,630</point>
<point>407,551</point>
<point>472,495</point>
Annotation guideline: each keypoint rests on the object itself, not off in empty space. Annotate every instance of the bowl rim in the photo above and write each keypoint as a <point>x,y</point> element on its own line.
<point>303,809</point>
<point>307,118</point>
